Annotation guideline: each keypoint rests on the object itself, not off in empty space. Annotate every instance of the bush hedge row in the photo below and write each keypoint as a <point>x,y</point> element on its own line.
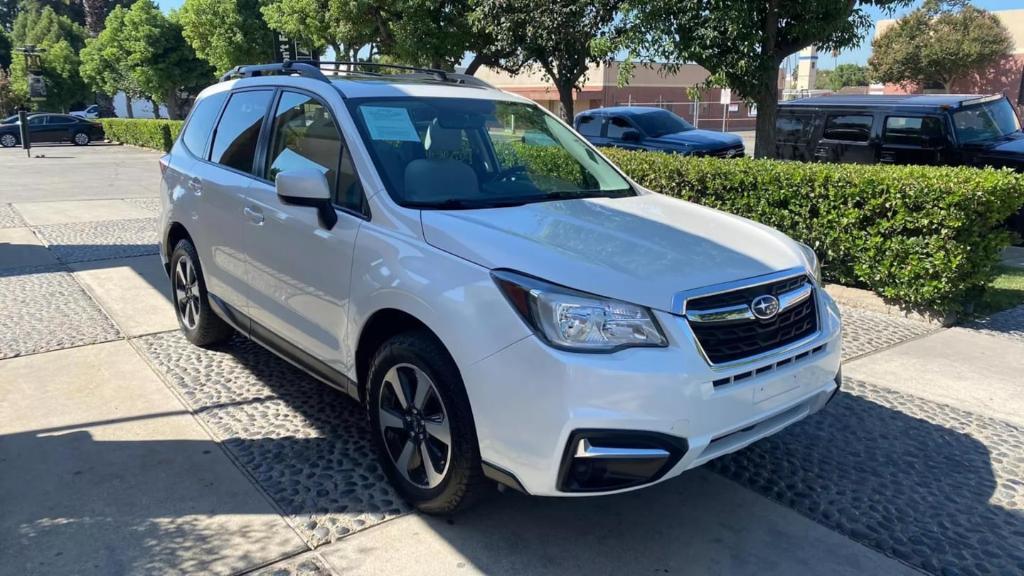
<point>148,133</point>
<point>924,236</point>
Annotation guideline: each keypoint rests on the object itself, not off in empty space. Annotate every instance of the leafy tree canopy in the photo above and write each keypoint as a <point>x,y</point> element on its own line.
<point>562,37</point>
<point>61,39</point>
<point>842,76</point>
<point>5,51</point>
<point>743,42</point>
<point>226,33</point>
<point>939,43</point>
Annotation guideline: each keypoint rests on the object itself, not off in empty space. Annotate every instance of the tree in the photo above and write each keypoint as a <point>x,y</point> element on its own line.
<point>5,51</point>
<point>61,39</point>
<point>939,43</point>
<point>844,75</point>
<point>143,53</point>
<point>742,43</point>
<point>226,33</point>
<point>341,24</point>
<point>562,37</point>
<point>8,12</point>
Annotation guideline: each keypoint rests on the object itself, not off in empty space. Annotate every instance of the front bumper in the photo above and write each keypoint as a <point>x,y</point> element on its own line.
<point>533,405</point>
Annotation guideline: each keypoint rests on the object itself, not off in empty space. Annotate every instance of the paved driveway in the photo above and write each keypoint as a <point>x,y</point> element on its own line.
<point>124,450</point>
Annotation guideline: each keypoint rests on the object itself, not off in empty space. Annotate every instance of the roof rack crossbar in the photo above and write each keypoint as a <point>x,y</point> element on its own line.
<point>304,69</point>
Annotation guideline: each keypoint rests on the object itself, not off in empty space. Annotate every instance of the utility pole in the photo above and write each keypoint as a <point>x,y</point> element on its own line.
<point>36,88</point>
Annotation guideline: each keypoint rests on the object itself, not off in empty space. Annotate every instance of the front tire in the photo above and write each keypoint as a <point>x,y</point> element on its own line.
<point>191,301</point>
<point>422,424</point>
<point>8,140</point>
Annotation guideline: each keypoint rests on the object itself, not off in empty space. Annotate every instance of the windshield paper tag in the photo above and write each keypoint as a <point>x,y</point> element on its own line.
<point>389,123</point>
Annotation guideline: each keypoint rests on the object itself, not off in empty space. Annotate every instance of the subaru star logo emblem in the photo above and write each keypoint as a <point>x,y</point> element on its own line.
<point>765,307</point>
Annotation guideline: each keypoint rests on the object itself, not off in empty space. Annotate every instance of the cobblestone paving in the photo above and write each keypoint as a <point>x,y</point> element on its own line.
<point>9,218</point>
<point>865,331</point>
<point>102,240</point>
<point>1008,323</point>
<point>939,488</point>
<point>305,565</point>
<point>44,309</point>
<point>150,204</point>
<point>305,443</point>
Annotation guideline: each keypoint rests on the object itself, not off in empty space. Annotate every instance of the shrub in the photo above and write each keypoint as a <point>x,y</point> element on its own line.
<point>148,133</point>
<point>924,236</point>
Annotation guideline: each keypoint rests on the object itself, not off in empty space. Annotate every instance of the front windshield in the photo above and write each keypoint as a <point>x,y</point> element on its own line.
<point>661,122</point>
<point>452,153</point>
<point>988,121</point>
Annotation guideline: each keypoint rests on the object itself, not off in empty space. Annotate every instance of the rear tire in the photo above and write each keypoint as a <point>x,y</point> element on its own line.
<point>432,424</point>
<point>80,139</point>
<point>191,301</point>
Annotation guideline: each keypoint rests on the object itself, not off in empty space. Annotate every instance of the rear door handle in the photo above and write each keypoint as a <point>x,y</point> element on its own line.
<point>255,215</point>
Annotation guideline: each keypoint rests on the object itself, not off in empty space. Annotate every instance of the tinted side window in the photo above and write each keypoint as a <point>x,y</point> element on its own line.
<point>305,136</point>
<point>925,132</point>
<point>234,142</point>
<point>200,123</point>
<point>848,127</point>
<point>56,120</point>
<point>590,125</point>
<point>37,120</point>
<point>617,126</point>
<point>793,128</point>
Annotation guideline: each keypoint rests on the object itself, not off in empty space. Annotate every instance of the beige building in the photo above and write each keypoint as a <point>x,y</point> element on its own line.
<point>648,86</point>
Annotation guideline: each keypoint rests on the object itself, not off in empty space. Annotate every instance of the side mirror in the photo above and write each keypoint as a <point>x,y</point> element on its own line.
<point>307,187</point>
<point>631,136</point>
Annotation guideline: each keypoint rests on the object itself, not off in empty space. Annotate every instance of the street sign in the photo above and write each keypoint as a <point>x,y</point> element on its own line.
<point>726,96</point>
<point>287,49</point>
<point>36,86</point>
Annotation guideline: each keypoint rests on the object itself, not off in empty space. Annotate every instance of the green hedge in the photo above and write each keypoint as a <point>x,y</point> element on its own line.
<point>148,133</point>
<point>921,235</point>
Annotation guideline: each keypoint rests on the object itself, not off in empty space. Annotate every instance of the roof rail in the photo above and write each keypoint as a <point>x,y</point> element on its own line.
<point>288,67</point>
<point>439,75</point>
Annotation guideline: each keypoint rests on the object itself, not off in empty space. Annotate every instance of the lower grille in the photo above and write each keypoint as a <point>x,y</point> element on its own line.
<point>736,339</point>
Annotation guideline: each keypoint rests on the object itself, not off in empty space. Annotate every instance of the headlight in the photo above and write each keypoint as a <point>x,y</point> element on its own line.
<point>578,321</point>
<point>813,264</point>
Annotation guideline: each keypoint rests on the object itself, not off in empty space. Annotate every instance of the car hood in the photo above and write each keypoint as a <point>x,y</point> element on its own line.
<point>702,139</point>
<point>641,249</point>
<point>1012,147</point>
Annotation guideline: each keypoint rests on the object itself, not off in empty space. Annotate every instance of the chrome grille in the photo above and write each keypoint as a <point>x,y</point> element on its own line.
<point>727,330</point>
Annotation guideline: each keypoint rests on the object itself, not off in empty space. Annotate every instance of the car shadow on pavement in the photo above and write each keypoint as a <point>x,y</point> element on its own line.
<point>870,466</point>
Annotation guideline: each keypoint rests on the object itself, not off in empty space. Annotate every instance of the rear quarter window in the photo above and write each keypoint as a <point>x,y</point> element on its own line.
<point>200,123</point>
<point>590,126</point>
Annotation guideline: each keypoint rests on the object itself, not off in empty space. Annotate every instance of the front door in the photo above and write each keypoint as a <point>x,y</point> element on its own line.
<point>913,140</point>
<point>299,271</point>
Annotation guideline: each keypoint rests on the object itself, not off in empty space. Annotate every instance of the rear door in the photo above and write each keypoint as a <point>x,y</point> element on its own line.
<point>913,139</point>
<point>591,127</point>
<point>616,127</point>
<point>221,182</point>
<point>848,137</point>
<point>59,128</point>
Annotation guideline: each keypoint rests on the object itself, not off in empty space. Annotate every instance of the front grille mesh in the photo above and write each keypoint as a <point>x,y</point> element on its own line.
<point>724,342</point>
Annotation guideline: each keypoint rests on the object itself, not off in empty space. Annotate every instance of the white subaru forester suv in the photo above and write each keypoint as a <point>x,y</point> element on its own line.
<point>506,302</point>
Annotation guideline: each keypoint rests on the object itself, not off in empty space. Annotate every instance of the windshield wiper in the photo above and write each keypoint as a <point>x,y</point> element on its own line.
<point>467,204</point>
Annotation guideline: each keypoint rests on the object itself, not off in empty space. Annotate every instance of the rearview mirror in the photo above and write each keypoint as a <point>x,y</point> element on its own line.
<point>307,187</point>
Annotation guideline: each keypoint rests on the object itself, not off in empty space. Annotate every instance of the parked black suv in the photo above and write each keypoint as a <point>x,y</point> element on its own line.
<point>945,129</point>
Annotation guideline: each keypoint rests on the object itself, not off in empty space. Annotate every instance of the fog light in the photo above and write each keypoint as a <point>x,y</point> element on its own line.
<point>605,460</point>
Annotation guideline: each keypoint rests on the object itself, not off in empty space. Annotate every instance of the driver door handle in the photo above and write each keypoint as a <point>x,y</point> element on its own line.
<point>255,215</point>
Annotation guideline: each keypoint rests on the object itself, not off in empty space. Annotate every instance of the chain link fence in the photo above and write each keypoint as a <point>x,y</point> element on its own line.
<point>733,117</point>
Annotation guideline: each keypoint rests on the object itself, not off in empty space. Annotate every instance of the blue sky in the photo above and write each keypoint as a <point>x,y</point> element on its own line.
<point>857,55</point>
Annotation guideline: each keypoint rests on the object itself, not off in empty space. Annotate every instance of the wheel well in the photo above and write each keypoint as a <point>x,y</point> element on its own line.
<point>381,326</point>
<point>176,234</point>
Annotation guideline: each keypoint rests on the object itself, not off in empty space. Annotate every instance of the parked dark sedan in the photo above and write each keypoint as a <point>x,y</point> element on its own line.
<point>643,128</point>
<point>52,128</point>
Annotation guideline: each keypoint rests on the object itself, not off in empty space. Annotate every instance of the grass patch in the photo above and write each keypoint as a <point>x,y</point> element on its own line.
<point>1006,291</point>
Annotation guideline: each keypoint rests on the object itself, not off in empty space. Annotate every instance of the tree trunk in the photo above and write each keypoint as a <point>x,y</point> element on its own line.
<point>476,63</point>
<point>764,138</point>
<point>128,105</point>
<point>565,96</point>
<point>156,108</point>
